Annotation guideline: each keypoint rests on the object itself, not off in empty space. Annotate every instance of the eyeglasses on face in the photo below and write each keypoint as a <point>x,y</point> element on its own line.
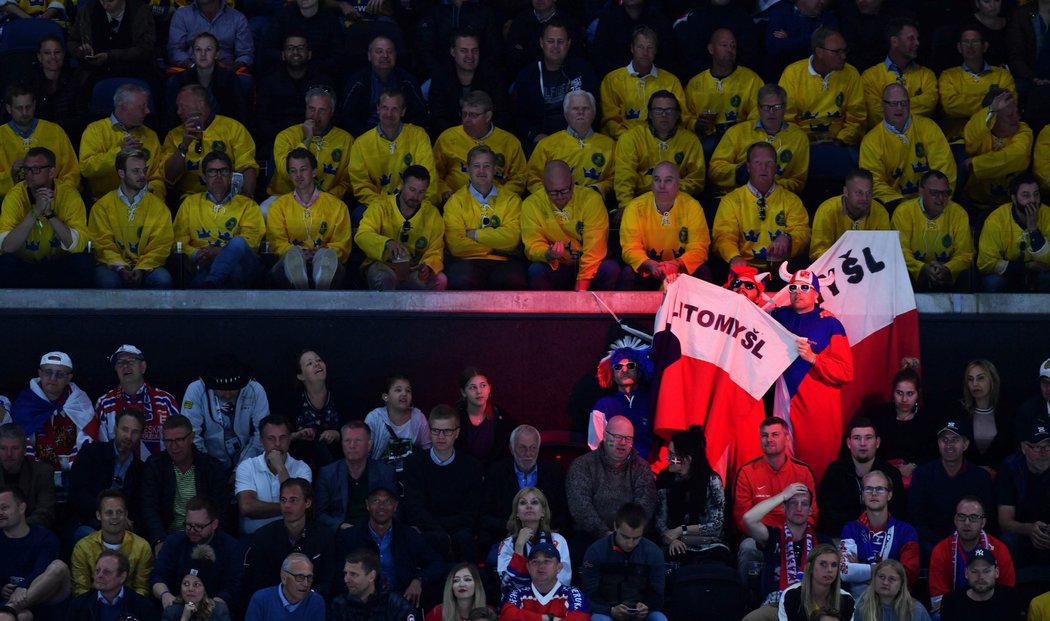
<point>794,288</point>
<point>620,438</point>
<point>875,491</point>
<point>300,578</point>
<point>973,518</point>
<point>624,365</point>
<point>747,284</point>
<point>215,172</point>
<point>53,374</point>
<point>197,528</point>
<point>443,433</point>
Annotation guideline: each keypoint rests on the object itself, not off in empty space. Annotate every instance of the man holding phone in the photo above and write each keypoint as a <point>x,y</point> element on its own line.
<point>623,573</point>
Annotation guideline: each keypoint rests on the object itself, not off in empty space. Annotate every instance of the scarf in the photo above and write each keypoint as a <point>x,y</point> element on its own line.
<point>960,559</point>
<point>789,560</point>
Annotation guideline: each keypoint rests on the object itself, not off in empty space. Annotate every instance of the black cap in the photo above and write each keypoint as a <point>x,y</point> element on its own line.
<point>226,372</point>
<point>982,554</point>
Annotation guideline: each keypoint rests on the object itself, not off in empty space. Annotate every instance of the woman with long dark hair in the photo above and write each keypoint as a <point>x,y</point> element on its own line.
<point>691,501</point>
<point>484,426</point>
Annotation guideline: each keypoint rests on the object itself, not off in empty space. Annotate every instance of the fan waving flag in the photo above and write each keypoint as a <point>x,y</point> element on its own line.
<point>872,297</point>
<point>716,354</point>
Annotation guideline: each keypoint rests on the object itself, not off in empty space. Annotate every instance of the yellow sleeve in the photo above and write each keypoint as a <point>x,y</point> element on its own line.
<point>288,139</point>
<point>532,238</point>
<point>924,101</point>
<point>423,155</point>
<point>612,105</point>
<point>595,243</point>
<point>901,219</point>
<point>277,231</point>
<point>693,169</point>
<point>632,232</point>
<point>156,184</point>
<point>728,225</point>
<point>1013,157</point>
<point>938,150</point>
<point>948,85</point>
<point>796,166</point>
<point>365,190</point>
<point>990,250</point>
<point>72,211</point>
<point>872,158</point>
<point>873,85</point>
<point>962,255</point>
<point>728,156</point>
<point>339,234</point>
<point>252,226</point>
<point>66,160</point>
<point>443,160</point>
<point>102,234</point>
<point>243,148</point>
<point>434,256</point>
<point>630,149</point>
<point>515,168</point>
<point>158,236</point>
<point>458,213</point>
<point>82,568</point>
<point>95,160</point>
<point>695,253</point>
<point>341,182</point>
<point>537,162</point>
<point>507,235</point>
<point>797,224</point>
<point>856,112</point>
<point>370,238</point>
<point>825,233</point>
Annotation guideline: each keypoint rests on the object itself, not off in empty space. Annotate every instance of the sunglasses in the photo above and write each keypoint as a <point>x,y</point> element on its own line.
<point>762,209</point>
<point>628,365</point>
<point>736,284</point>
<point>405,228</point>
<point>794,288</point>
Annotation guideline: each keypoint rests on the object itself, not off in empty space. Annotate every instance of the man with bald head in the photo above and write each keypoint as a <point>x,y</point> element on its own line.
<point>565,235</point>
<point>663,233</point>
<point>602,481</point>
<point>902,148</point>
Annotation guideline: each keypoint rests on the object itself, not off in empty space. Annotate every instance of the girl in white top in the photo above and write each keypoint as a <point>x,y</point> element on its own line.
<point>397,428</point>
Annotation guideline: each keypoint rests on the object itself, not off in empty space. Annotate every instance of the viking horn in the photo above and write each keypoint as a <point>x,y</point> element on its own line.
<point>785,273</point>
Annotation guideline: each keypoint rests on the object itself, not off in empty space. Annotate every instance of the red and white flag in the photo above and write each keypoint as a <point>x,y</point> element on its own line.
<point>716,353</point>
<point>873,298</point>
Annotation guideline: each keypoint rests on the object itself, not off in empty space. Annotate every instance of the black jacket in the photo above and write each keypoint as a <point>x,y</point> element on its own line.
<point>92,472</point>
<point>501,484</point>
<point>270,546</point>
<point>157,494</point>
<point>86,607</point>
<point>382,606</point>
<point>413,557</point>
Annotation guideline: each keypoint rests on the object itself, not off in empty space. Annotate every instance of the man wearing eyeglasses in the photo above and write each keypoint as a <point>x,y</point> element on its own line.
<point>565,234</point>
<point>728,168</point>
<point>937,486</point>
<point>952,554</point>
<point>809,391</point>
<point>134,393</point>
<point>660,138</point>
<point>294,598</point>
<point>852,211</point>
<point>935,235</point>
<point>56,415</point>
<point>602,481</point>
<point>899,67</point>
<point>43,228</point>
<point>1022,489</point>
<point>901,148</point>
<point>403,238</point>
<point>443,489</point>
<point>760,222</point>
<point>452,146</point>
<point>175,558</point>
<point>876,535</point>
<point>220,230</point>
<point>282,90</point>
<point>200,133</point>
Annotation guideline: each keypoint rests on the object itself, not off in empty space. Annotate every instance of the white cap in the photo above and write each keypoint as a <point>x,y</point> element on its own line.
<point>57,357</point>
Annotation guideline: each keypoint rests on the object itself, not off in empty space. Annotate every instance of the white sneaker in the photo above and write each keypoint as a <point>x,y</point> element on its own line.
<point>295,268</point>
<point>326,263</point>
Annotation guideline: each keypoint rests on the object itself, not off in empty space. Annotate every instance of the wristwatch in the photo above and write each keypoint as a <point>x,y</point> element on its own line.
<point>685,530</point>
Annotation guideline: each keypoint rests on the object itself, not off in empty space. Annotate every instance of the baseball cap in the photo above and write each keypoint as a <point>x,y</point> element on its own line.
<point>387,486</point>
<point>57,357</point>
<point>982,554</point>
<point>1044,369</point>
<point>1039,431</point>
<point>126,349</point>
<point>958,426</point>
<point>545,548</point>
<point>805,277</point>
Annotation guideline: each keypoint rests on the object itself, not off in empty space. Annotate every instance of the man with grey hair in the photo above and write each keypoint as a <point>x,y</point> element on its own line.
<point>330,144</point>
<point>728,166</point>
<point>293,598</point>
<point>122,130</point>
<point>588,153</point>
<point>524,468</point>
<point>34,479</point>
<point>342,486</point>
<point>451,147</point>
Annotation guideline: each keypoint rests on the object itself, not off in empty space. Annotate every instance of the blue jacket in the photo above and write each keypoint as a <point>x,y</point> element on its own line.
<point>413,557</point>
<point>331,488</point>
